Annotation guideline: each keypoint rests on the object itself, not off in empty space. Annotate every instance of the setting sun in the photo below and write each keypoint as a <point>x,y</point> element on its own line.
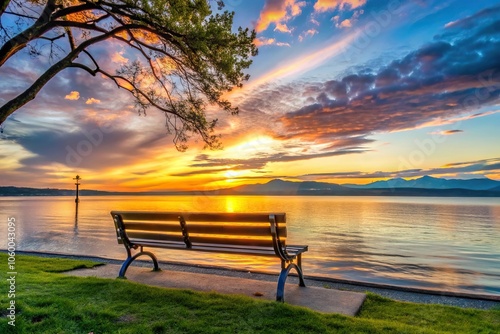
<point>231,174</point>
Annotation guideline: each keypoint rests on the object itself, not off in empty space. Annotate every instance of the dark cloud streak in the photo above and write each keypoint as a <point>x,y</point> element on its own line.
<point>87,146</point>
<point>204,160</point>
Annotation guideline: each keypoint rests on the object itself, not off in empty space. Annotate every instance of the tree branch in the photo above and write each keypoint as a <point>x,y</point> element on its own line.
<point>20,15</point>
<point>30,93</point>
<point>53,38</point>
<point>91,58</point>
<point>188,57</point>
<point>19,41</point>
<point>71,39</point>
<point>86,68</point>
<point>3,6</point>
<point>198,125</point>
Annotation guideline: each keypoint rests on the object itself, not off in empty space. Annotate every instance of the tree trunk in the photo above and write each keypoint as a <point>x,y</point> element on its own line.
<point>29,94</point>
<point>3,6</point>
<point>19,41</point>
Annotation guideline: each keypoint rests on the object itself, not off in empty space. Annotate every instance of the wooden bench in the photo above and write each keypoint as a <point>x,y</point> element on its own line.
<point>262,234</point>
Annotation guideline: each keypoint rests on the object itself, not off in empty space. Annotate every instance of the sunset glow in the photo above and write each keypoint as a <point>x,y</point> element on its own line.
<point>350,91</point>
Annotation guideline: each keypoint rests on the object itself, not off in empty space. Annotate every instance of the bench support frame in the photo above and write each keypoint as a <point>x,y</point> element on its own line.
<point>285,270</point>
<point>129,246</point>
<point>287,261</point>
<point>131,258</point>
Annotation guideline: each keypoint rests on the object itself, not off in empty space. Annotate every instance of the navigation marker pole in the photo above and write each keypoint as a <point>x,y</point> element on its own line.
<point>77,183</point>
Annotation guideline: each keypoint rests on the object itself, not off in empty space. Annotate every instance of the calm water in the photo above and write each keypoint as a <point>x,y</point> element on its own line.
<point>448,244</point>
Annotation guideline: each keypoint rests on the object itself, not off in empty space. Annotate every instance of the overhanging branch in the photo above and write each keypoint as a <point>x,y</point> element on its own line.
<point>30,93</point>
<point>3,6</point>
<point>188,64</point>
<point>19,41</point>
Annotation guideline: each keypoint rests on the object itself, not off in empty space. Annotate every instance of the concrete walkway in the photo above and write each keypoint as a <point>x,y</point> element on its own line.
<point>318,299</point>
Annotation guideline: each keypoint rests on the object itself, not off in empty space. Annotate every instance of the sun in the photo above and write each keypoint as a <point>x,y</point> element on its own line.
<point>230,175</point>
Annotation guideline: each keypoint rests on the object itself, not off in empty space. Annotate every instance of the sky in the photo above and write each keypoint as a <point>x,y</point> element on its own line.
<point>342,91</point>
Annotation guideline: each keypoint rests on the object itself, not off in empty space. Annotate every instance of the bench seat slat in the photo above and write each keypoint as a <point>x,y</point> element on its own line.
<point>219,248</point>
<point>209,248</point>
<point>199,239</point>
<point>147,215</point>
<point>231,217</point>
<point>224,248</point>
<point>155,236</point>
<point>200,217</point>
<point>244,230</point>
<point>230,241</point>
<point>296,250</point>
<point>231,246</point>
<point>216,248</point>
<point>214,228</point>
<point>247,250</point>
<point>229,250</point>
<point>156,227</point>
<point>159,244</point>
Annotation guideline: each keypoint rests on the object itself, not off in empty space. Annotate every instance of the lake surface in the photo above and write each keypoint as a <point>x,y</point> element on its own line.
<point>447,244</point>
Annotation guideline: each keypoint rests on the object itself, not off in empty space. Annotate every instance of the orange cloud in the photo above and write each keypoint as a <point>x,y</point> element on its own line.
<point>345,24</point>
<point>268,41</point>
<point>308,33</point>
<point>328,5</point>
<point>264,41</point>
<point>73,96</point>
<point>282,27</point>
<point>92,101</point>
<point>118,58</point>
<point>278,12</point>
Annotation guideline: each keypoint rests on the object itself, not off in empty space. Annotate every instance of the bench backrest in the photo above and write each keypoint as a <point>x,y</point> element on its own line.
<point>187,229</point>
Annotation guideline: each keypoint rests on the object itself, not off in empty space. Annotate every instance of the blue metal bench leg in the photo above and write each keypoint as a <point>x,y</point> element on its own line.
<point>280,293</point>
<point>130,259</point>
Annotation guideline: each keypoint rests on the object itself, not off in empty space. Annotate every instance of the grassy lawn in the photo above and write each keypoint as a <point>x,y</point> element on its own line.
<point>48,302</point>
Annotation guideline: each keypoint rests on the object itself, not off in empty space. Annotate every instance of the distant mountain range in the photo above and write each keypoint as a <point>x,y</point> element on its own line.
<point>428,182</point>
<point>424,186</point>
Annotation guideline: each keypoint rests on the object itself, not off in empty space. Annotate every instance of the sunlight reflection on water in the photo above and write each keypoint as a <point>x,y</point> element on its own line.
<point>440,243</point>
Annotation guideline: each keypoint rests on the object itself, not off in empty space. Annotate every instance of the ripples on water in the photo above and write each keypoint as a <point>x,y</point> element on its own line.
<point>438,243</point>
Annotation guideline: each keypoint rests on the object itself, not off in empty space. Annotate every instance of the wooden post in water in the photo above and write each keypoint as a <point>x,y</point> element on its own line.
<point>77,183</point>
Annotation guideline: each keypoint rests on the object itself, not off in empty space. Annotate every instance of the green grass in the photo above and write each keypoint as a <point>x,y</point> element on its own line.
<point>49,302</point>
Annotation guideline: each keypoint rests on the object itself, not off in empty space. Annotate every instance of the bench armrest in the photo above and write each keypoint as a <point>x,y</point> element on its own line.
<point>278,245</point>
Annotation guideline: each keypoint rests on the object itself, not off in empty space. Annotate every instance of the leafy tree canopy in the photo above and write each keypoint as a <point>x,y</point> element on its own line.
<point>186,57</point>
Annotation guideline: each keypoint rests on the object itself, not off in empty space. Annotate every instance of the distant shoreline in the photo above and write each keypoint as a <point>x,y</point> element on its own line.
<point>398,192</point>
<point>424,187</point>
